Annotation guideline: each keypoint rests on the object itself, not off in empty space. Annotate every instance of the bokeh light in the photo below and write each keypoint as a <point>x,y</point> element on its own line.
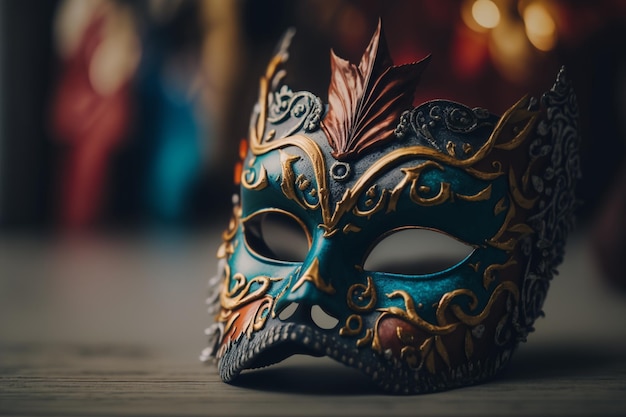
<point>486,13</point>
<point>540,26</point>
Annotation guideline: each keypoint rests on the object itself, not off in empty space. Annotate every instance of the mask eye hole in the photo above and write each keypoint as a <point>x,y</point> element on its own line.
<point>277,235</point>
<point>416,252</point>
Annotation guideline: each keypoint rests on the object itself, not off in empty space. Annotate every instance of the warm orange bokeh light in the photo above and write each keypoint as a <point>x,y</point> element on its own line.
<point>540,26</point>
<point>486,13</point>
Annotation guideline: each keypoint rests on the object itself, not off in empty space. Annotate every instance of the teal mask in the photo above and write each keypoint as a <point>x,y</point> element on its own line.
<point>343,178</point>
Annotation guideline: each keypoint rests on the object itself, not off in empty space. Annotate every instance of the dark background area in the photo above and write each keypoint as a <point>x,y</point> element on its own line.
<point>590,43</point>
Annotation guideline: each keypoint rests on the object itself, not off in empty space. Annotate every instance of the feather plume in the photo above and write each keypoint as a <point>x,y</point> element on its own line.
<point>365,101</point>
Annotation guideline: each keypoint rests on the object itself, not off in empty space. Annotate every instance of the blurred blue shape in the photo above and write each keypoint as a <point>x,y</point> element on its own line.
<point>177,156</point>
<point>171,132</point>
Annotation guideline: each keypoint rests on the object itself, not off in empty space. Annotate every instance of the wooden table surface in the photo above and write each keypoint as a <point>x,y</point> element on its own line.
<point>114,326</point>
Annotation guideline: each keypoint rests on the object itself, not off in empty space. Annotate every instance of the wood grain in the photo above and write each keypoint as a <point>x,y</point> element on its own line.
<point>124,339</point>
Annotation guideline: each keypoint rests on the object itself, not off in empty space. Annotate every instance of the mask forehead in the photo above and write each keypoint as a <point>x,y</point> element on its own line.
<point>384,190</point>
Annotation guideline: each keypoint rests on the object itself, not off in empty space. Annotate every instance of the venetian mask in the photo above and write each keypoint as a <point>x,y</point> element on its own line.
<point>342,178</point>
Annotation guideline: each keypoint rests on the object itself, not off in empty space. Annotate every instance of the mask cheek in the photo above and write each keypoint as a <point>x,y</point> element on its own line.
<point>441,324</point>
<point>244,319</point>
<point>248,292</point>
<point>440,348</point>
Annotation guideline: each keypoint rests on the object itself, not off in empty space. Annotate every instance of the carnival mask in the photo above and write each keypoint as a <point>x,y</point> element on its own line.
<point>351,174</point>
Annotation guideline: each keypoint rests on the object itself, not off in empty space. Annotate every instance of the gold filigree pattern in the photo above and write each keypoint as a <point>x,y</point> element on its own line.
<point>227,247</point>
<point>312,274</point>
<point>245,305</point>
<point>365,340</point>
<point>419,353</point>
<point>241,292</point>
<point>500,206</point>
<point>253,181</point>
<point>373,206</point>
<point>424,354</point>
<point>349,227</point>
<point>482,195</point>
<point>489,272</point>
<point>517,119</point>
<point>353,326</point>
<point>362,299</point>
<point>290,182</point>
<point>467,319</point>
<point>261,315</point>
<point>351,195</point>
<point>500,241</point>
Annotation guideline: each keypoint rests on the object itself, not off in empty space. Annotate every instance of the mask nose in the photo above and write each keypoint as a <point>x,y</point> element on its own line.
<point>306,297</point>
<point>312,275</point>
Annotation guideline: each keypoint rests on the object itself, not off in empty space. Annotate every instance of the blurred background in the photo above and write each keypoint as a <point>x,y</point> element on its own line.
<point>120,123</point>
<point>127,115</point>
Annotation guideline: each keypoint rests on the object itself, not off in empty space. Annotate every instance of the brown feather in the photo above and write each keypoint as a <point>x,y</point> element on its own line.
<point>365,102</point>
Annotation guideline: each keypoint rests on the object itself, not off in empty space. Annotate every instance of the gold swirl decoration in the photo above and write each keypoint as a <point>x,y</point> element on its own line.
<point>253,181</point>
<point>362,299</point>
<point>290,182</point>
<point>372,206</point>
<point>241,294</point>
<point>261,315</point>
<point>227,247</point>
<point>240,302</point>
<point>514,126</point>
<point>419,353</point>
<point>365,296</point>
<point>489,272</point>
<point>353,326</point>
